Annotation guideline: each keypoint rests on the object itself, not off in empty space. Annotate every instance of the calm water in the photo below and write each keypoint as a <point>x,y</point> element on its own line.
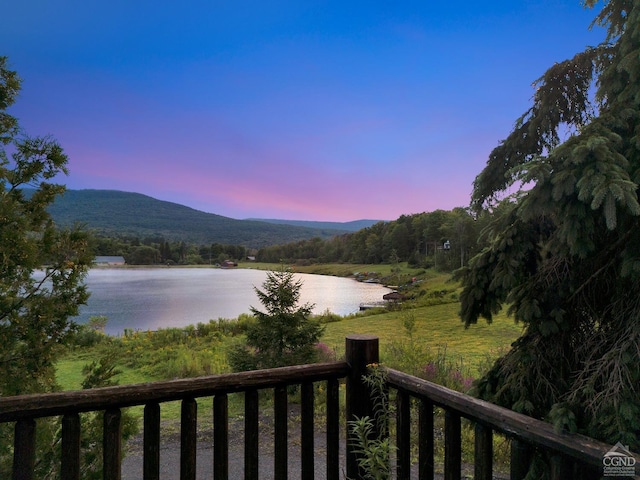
<point>148,299</point>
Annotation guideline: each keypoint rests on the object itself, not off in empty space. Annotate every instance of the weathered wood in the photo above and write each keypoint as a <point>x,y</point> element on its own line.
<point>280,421</point>
<point>333,429</point>
<point>582,449</point>
<point>452,446</point>
<point>24,453</point>
<point>561,468</point>
<point>97,399</point>
<point>221,437</point>
<point>112,444</point>
<point>403,435</point>
<point>307,452</point>
<point>483,452</point>
<point>360,351</point>
<point>251,435</point>
<point>151,442</point>
<point>425,440</point>
<point>188,439</point>
<point>70,461</point>
<point>521,453</point>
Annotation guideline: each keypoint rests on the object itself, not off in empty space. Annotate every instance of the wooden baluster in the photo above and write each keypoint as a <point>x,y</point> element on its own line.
<point>425,440</point>
<point>251,435</point>
<point>483,452</point>
<point>307,432</point>
<point>112,444</point>
<point>70,462</point>
<point>221,437</point>
<point>24,453</point>
<point>151,442</point>
<point>521,453</point>
<point>281,460</point>
<point>333,429</point>
<point>561,467</point>
<point>452,446</point>
<point>188,439</point>
<point>403,435</point>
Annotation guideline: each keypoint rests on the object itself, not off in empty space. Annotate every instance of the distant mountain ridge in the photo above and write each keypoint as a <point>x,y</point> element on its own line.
<point>117,213</point>
<point>352,226</point>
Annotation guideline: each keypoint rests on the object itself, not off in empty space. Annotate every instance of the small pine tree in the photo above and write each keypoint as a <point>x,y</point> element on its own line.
<point>284,334</point>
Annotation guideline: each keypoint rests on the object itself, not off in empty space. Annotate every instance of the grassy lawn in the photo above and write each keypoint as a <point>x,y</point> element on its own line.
<point>437,326</point>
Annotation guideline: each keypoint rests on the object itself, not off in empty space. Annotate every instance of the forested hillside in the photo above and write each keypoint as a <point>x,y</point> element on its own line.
<point>441,239</point>
<point>114,213</point>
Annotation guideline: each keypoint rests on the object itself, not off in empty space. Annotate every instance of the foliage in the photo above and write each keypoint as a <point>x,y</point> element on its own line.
<point>42,272</point>
<point>35,304</point>
<point>417,239</point>
<point>370,436</point>
<point>171,353</point>
<point>564,250</point>
<point>284,334</point>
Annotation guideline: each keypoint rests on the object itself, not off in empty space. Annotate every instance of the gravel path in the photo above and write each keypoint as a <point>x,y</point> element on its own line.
<point>170,452</point>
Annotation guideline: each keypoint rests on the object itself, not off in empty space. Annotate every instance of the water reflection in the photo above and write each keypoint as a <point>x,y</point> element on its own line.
<point>152,298</point>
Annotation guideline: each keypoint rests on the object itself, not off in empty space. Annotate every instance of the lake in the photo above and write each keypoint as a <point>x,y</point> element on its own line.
<point>153,298</point>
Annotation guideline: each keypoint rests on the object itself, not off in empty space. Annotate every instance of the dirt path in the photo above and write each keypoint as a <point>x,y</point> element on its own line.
<point>170,452</point>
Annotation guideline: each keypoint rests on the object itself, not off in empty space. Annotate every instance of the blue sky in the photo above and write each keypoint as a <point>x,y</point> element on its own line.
<point>299,110</point>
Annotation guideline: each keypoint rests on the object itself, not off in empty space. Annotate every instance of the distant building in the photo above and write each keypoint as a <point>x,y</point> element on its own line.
<point>108,261</point>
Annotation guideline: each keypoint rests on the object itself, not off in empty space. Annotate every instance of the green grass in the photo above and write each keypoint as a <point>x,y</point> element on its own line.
<point>69,372</point>
<point>437,326</point>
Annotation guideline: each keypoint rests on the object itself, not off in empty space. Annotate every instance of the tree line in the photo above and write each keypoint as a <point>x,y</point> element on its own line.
<point>441,239</point>
<point>159,251</point>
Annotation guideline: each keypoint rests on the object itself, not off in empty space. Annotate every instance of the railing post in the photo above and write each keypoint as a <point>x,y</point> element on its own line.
<point>360,351</point>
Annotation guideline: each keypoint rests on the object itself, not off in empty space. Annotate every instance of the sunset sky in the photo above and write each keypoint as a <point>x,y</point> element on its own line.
<point>312,110</point>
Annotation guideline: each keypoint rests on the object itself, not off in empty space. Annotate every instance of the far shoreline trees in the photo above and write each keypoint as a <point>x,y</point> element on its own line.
<point>441,239</point>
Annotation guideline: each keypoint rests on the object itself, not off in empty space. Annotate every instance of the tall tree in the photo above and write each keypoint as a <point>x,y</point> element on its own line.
<point>564,249</point>
<point>41,268</point>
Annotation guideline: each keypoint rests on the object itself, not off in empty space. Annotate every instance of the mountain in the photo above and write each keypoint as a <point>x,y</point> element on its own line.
<point>345,227</point>
<point>116,213</point>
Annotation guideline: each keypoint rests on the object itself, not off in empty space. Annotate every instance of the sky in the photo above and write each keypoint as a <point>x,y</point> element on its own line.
<point>292,109</point>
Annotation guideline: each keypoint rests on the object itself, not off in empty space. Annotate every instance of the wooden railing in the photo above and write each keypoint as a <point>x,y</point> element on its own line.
<point>573,456</point>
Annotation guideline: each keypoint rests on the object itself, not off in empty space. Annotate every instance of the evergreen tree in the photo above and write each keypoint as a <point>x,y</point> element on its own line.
<point>564,250</point>
<point>282,335</point>
<point>41,269</point>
